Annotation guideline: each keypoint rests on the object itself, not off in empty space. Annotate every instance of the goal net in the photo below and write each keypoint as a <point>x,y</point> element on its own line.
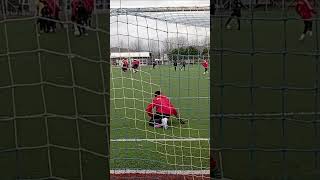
<point>171,43</point>
<point>266,91</point>
<point>53,93</point>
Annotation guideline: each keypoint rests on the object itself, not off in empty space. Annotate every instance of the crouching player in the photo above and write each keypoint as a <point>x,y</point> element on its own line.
<point>163,110</point>
<point>135,65</point>
<point>125,65</point>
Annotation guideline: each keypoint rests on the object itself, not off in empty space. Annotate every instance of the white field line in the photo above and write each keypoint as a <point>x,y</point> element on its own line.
<point>154,140</point>
<point>173,172</point>
<point>130,98</point>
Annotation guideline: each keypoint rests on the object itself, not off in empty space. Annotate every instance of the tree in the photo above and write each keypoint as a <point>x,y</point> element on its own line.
<point>174,42</point>
<point>180,53</point>
<point>181,41</point>
<point>205,52</point>
<point>167,45</point>
<point>137,45</point>
<point>191,50</point>
<point>153,47</point>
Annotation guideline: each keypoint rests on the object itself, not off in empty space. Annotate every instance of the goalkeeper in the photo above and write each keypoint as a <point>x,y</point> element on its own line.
<point>164,109</point>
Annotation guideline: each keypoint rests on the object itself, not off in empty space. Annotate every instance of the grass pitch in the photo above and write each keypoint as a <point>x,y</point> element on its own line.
<point>39,105</point>
<point>131,93</point>
<point>267,72</point>
<point>49,104</point>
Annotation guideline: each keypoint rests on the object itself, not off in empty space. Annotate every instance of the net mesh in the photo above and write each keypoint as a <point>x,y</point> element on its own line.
<point>54,94</point>
<point>266,92</point>
<point>159,37</point>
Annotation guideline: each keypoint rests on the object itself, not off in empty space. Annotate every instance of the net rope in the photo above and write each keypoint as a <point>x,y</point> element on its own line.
<point>180,147</point>
<point>280,122</point>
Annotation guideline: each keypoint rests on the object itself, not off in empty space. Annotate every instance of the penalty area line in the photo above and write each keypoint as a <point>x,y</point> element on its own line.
<point>155,140</point>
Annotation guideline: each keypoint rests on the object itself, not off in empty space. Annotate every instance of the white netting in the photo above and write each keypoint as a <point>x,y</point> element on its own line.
<point>266,90</point>
<point>53,89</point>
<point>160,38</point>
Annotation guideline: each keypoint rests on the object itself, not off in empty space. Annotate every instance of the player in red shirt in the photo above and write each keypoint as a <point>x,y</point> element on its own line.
<point>163,110</point>
<point>205,64</point>
<point>306,11</point>
<point>125,65</point>
<point>135,65</point>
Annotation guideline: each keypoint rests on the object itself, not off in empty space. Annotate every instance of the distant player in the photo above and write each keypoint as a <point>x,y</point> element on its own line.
<point>236,13</point>
<point>74,9</point>
<point>89,5</point>
<point>79,17</point>
<point>183,65</point>
<point>163,110</point>
<point>175,64</point>
<point>40,4</point>
<point>135,65</point>
<point>53,5</point>
<point>125,65</point>
<point>45,13</point>
<point>214,168</point>
<point>154,63</point>
<point>306,12</point>
<point>205,64</point>
<point>82,18</point>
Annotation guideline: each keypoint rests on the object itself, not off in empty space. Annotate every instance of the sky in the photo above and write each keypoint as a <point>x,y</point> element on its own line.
<point>157,3</point>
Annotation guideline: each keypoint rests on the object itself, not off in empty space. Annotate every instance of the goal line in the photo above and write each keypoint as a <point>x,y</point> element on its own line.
<point>155,140</point>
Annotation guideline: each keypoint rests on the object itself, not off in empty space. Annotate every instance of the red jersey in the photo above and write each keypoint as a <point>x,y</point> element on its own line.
<point>205,64</point>
<point>304,9</point>
<point>89,5</point>
<point>54,7</point>
<point>125,63</point>
<point>135,62</point>
<point>162,105</point>
<point>74,5</point>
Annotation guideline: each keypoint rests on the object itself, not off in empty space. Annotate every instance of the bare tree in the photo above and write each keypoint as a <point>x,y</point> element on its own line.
<point>167,45</point>
<point>137,45</point>
<point>121,44</point>
<point>181,41</point>
<point>205,41</point>
<point>154,48</point>
<point>174,42</point>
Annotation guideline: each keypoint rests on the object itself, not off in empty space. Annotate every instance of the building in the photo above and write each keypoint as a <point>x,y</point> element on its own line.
<point>145,58</point>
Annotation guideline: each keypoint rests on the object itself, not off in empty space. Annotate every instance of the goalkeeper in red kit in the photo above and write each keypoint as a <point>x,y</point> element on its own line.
<point>306,11</point>
<point>163,110</point>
